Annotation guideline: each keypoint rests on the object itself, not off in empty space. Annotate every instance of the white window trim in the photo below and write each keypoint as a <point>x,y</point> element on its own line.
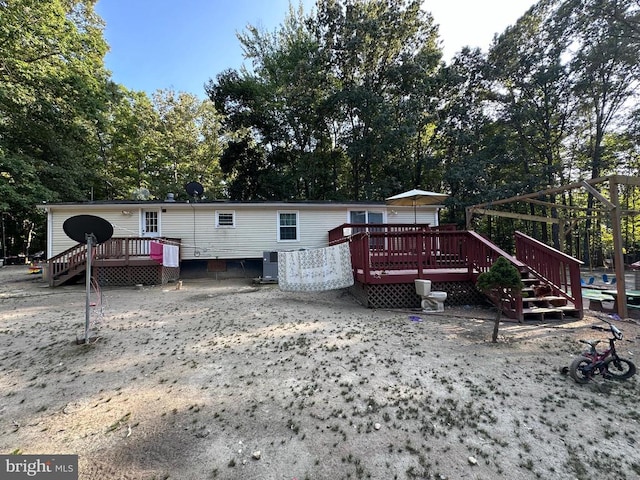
<point>297,214</point>
<point>227,212</point>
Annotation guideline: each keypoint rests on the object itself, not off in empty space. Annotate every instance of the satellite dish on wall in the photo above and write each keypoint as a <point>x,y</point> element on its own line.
<point>194,189</point>
<point>80,227</point>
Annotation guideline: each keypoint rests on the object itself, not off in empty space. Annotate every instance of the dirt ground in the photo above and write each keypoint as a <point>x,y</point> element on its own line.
<point>229,380</point>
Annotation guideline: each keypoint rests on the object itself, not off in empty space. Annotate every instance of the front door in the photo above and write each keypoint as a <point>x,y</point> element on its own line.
<point>150,223</point>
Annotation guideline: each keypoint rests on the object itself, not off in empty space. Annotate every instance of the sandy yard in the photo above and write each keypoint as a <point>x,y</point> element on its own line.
<point>227,380</point>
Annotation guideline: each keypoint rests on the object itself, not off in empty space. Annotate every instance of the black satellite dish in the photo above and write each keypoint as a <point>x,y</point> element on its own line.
<point>194,189</point>
<point>90,230</point>
<point>79,228</point>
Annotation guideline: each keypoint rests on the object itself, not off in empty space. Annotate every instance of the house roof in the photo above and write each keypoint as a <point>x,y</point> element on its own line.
<point>210,203</point>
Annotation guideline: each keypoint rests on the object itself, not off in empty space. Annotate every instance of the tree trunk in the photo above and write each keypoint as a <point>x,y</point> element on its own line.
<point>496,324</point>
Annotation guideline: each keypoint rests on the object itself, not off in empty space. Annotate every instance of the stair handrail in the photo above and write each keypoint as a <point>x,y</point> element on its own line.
<point>482,254</point>
<point>66,261</point>
<point>559,270</point>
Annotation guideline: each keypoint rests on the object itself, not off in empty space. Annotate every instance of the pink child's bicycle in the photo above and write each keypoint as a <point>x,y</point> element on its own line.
<point>606,363</point>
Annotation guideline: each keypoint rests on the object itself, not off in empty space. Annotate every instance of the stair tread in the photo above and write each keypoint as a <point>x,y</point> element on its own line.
<point>542,310</point>
<point>542,299</point>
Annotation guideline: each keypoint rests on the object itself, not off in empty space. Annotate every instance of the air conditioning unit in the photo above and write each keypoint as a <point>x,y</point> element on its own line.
<point>270,265</point>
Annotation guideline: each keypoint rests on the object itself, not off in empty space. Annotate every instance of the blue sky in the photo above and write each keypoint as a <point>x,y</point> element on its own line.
<point>161,44</point>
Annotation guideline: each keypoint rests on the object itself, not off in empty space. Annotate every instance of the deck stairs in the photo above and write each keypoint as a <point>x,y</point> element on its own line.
<point>539,300</point>
<point>542,301</point>
<point>68,265</point>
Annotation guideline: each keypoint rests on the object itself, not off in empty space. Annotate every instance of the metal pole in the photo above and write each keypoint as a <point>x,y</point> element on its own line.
<point>88,288</point>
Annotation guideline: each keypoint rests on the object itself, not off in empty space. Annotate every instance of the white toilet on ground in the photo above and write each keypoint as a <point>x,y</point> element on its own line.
<point>431,301</point>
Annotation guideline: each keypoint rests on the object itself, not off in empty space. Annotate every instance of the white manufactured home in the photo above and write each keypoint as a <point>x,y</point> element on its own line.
<point>230,230</point>
<point>218,231</point>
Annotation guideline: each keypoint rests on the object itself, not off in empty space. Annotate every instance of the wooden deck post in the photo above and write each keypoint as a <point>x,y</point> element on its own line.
<point>617,249</point>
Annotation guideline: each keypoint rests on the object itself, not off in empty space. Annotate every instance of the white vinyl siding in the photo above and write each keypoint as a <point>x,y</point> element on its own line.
<point>125,222</point>
<point>256,225</point>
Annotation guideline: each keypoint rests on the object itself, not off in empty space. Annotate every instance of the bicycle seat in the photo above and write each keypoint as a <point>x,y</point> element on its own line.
<point>591,343</point>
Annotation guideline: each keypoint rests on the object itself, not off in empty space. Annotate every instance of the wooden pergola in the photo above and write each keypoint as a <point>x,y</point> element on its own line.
<point>609,206</point>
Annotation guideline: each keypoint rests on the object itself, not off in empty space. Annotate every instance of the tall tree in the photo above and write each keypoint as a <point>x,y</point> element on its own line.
<point>189,144</point>
<point>130,144</point>
<point>277,111</point>
<point>337,102</point>
<point>607,70</point>
<point>527,65</point>
<point>52,99</point>
<point>380,56</point>
<point>160,144</point>
<point>471,144</point>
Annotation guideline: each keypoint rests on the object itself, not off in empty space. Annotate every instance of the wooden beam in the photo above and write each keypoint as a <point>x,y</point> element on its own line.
<point>625,180</point>
<point>468,213</point>
<point>600,197</point>
<point>570,225</point>
<point>549,191</point>
<point>564,207</point>
<point>519,216</point>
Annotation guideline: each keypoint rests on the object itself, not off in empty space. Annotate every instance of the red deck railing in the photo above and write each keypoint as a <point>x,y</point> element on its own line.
<point>73,261</point>
<point>559,270</point>
<point>69,262</point>
<point>129,247</point>
<point>402,253</point>
<point>339,234</point>
<point>402,256</point>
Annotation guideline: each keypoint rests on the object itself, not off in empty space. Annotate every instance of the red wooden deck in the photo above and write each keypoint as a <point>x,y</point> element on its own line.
<point>396,254</point>
<point>388,254</point>
<point>119,255</point>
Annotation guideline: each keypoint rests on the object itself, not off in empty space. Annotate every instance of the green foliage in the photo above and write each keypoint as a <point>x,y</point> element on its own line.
<point>501,276</point>
<point>52,99</point>
<point>502,280</point>
<point>335,102</point>
<point>350,102</point>
<point>160,144</point>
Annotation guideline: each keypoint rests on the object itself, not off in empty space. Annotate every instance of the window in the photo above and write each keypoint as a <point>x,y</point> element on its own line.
<point>356,216</point>
<point>225,219</point>
<point>369,218</point>
<point>287,226</point>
